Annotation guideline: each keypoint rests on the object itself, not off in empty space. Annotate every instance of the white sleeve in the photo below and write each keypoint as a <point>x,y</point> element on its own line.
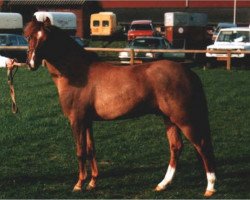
<point>3,60</point>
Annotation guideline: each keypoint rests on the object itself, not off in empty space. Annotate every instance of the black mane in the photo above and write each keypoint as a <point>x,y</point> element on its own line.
<point>63,37</point>
<point>67,44</point>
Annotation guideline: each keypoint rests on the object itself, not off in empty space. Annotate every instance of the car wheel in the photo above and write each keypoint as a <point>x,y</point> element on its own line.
<point>211,63</point>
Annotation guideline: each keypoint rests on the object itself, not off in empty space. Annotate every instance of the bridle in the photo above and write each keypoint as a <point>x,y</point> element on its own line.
<point>31,48</point>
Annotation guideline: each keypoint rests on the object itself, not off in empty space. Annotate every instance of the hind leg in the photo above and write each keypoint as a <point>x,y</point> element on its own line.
<point>175,145</point>
<point>203,145</point>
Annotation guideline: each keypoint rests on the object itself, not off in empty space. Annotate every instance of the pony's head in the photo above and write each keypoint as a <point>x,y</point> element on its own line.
<point>47,42</point>
<point>36,33</point>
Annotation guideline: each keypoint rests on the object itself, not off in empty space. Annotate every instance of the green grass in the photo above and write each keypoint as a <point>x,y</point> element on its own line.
<point>38,156</point>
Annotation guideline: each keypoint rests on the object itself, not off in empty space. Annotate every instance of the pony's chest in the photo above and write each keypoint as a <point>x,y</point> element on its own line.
<point>66,99</point>
<point>67,96</point>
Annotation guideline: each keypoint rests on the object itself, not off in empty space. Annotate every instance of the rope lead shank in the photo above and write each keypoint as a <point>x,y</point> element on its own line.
<point>10,75</point>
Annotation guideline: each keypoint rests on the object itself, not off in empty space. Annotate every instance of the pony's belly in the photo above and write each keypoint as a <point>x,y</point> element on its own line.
<point>122,109</point>
<point>118,97</point>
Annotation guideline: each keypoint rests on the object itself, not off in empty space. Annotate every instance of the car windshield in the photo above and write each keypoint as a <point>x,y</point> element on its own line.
<point>146,43</point>
<point>219,27</point>
<point>3,40</point>
<point>141,27</point>
<point>22,41</point>
<point>234,36</point>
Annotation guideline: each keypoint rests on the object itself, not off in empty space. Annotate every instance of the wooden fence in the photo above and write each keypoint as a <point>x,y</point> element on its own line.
<point>227,58</point>
<point>133,51</point>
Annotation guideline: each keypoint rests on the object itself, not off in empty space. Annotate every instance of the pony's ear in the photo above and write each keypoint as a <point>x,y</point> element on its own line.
<point>47,22</point>
<point>34,19</point>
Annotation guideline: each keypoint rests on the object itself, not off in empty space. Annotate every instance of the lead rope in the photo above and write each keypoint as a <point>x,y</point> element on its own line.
<point>10,75</point>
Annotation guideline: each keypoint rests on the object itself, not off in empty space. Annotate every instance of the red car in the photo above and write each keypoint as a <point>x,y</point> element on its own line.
<point>139,28</point>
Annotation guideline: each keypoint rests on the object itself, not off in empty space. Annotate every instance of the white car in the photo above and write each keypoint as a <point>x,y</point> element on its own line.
<point>237,38</point>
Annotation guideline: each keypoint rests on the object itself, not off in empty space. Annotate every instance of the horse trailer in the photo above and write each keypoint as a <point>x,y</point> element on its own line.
<point>63,20</point>
<point>11,23</point>
<point>103,24</point>
<point>185,30</point>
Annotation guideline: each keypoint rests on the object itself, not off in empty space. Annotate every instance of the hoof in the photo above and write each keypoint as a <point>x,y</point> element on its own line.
<point>209,193</point>
<point>159,188</point>
<point>77,189</point>
<point>90,187</point>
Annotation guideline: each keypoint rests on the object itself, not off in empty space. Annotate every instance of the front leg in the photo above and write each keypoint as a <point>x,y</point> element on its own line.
<point>92,158</point>
<point>79,133</point>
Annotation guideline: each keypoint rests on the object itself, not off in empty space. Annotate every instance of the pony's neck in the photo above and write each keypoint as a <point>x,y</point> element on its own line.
<point>65,58</point>
<point>70,63</point>
<point>74,75</point>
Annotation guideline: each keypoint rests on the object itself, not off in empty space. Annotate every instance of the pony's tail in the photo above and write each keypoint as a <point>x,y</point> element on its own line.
<point>202,115</point>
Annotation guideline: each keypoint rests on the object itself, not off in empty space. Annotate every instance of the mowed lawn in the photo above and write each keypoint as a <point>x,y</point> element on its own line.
<point>37,156</point>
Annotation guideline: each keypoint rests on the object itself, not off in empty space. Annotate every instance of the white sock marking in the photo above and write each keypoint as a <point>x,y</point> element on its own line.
<point>32,62</point>
<point>168,177</point>
<point>211,181</point>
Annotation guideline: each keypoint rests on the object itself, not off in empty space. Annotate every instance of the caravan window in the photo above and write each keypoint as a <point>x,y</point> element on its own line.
<point>96,23</point>
<point>105,23</point>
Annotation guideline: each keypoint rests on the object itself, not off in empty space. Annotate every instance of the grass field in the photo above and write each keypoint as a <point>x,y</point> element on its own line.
<point>38,157</point>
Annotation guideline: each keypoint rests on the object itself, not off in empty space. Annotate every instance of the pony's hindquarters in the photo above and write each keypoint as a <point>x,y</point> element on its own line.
<point>181,99</point>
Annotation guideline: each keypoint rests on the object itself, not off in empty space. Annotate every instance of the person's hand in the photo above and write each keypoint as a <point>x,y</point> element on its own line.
<point>10,63</point>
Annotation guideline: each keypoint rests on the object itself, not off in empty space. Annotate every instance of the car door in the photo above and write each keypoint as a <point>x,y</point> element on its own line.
<point>170,55</point>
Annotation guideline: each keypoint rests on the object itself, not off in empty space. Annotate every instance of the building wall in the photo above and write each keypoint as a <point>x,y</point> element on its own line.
<point>128,10</point>
<point>173,4</point>
<point>27,12</point>
<point>82,10</point>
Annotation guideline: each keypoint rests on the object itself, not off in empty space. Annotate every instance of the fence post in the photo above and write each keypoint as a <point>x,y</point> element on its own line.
<point>132,56</point>
<point>228,59</point>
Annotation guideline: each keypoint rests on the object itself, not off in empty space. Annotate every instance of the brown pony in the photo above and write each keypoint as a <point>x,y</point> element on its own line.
<point>90,90</point>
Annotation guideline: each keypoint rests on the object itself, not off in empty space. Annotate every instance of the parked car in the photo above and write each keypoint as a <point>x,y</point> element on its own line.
<point>139,28</point>
<point>82,42</point>
<point>14,40</point>
<point>149,43</point>
<point>230,39</point>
